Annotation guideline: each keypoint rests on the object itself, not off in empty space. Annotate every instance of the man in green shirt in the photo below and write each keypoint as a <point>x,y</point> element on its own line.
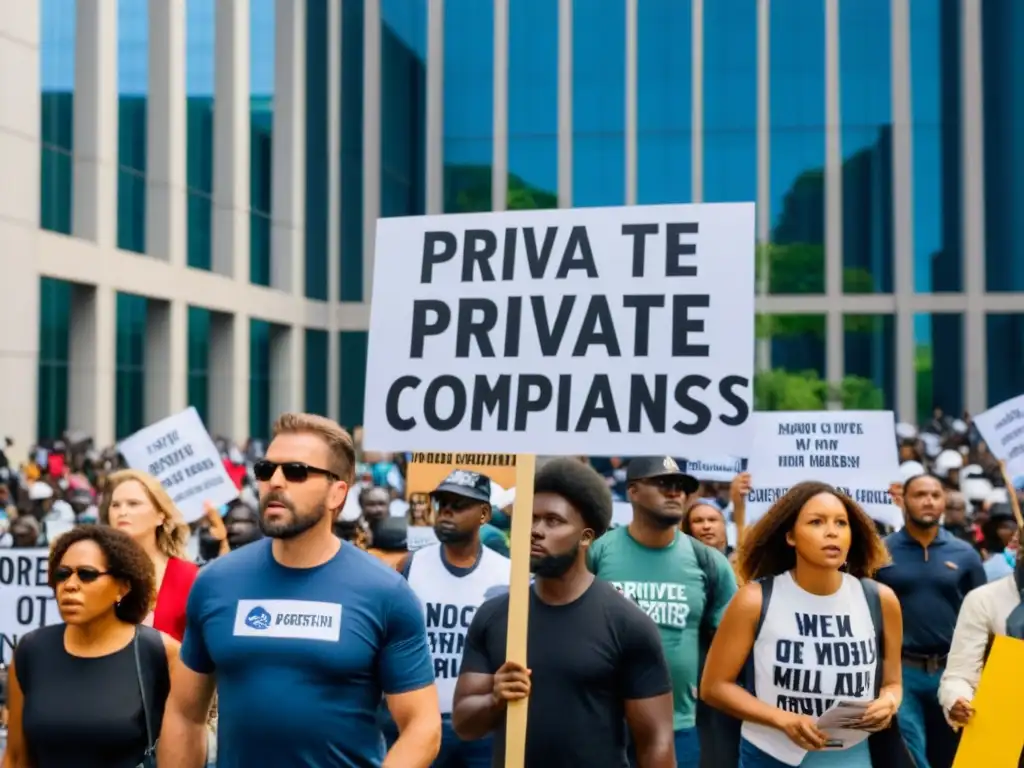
<point>669,575</point>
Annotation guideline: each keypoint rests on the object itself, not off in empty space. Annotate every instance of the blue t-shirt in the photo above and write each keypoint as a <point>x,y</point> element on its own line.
<point>302,656</point>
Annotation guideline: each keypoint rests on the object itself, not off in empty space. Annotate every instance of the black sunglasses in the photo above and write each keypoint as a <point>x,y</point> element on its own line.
<point>85,574</point>
<point>666,484</point>
<point>293,471</point>
<point>455,503</point>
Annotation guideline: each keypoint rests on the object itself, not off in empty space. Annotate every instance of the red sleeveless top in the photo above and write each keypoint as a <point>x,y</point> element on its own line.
<point>169,613</point>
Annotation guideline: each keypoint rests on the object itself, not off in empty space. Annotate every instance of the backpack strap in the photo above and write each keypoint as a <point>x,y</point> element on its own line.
<point>706,562</point>
<point>874,601</point>
<point>747,675</point>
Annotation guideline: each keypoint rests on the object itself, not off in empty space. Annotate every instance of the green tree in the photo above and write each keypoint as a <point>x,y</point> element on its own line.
<point>782,390</point>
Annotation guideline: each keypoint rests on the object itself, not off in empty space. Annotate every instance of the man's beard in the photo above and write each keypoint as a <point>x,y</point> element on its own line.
<point>554,566</point>
<point>665,518</point>
<point>449,535</point>
<point>296,525</point>
<point>924,523</point>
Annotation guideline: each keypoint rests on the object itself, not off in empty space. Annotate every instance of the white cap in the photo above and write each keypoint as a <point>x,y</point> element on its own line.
<point>948,460</point>
<point>932,444</point>
<point>906,431</point>
<point>960,426</point>
<point>997,496</point>
<point>972,470</point>
<point>975,488</point>
<point>39,492</point>
<point>909,469</point>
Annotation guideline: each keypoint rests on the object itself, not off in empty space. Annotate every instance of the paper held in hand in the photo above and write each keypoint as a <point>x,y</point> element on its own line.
<point>840,724</point>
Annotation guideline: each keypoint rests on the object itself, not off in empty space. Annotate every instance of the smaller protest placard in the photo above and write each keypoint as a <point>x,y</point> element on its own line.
<point>714,470</point>
<point>855,451</point>
<point>1002,427</point>
<point>993,737</point>
<point>427,470</point>
<point>179,452</point>
<point>26,601</point>
<point>419,536</point>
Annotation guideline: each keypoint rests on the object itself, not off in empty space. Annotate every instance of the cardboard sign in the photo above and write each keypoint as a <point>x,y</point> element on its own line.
<point>851,450</point>
<point>1002,427</point>
<point>179,452</point>
<point>585,331</point>
<point>428,470</point>
<point>26,602</point>
<point>994,737</point>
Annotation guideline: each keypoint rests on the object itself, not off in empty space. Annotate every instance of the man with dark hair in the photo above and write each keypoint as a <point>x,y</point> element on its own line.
<point>681,583</point>
<point>596,659</point>
<point>931,573</point>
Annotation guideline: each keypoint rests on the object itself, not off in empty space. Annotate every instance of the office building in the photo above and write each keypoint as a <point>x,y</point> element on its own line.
<point>191,186</point>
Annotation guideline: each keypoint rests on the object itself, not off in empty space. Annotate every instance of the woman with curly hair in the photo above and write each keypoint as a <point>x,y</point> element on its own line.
<point>135,502</point>
<point>804,627</point>
<point>90,693</point>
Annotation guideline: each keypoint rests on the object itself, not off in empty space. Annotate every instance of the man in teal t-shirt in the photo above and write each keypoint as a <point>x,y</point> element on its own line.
<point>653,563</point>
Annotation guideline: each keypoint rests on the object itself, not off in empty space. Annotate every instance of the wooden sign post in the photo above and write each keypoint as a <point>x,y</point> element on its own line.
<point>519,604</point>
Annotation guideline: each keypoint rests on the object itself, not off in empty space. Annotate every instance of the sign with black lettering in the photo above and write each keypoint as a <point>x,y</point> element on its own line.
<point>1002,427</point>
<point>852,450</point>
<point>26,602</point>
<point>622,331</point>
<point>179,452</point>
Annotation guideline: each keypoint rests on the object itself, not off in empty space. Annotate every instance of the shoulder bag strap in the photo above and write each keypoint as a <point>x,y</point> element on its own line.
<point>142,693</point>
<point>874,601</point>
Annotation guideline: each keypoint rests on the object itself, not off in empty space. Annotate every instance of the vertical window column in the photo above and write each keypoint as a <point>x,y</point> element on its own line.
<point>166,200</point>
<point>166,359</point>
<point>95,124</point>
<point>92,362</point>
<point>288,149</point>
<point>287,369</point>
<point>229,376</point>
<point>231,139</point>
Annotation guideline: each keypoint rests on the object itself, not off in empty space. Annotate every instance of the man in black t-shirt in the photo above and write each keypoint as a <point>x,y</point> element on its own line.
<point>595,658</point>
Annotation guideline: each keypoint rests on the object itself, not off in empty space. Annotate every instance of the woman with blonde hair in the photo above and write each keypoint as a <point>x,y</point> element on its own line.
<point>135,502</point>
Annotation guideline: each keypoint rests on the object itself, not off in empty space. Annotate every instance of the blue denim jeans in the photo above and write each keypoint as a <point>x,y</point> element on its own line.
<point>856,757</point>
<point>456,753</point>
<point>931,741</point>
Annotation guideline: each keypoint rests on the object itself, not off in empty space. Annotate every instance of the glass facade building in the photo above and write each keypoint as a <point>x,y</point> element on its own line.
<point>210,176</point>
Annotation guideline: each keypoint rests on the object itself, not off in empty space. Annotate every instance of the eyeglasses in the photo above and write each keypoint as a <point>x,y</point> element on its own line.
<point>85,574</point>
<point>293,471</point>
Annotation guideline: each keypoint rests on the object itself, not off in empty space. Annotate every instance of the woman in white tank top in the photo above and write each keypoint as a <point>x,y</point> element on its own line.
<point>815,644</point>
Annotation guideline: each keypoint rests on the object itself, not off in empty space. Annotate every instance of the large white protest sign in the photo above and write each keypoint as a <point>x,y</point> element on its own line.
<point>26,602</point>
<point>854,451</point>
<point>179,452</point>
<point>624,331</point>
<point>1002,427</point>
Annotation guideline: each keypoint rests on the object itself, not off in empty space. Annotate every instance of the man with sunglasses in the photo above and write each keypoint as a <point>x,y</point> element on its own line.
<point>452,579</point>
<point>300,633</point>
<point>682,584</point>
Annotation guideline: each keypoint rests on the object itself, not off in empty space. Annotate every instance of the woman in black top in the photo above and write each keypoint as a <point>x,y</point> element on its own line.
<point>90,693</point>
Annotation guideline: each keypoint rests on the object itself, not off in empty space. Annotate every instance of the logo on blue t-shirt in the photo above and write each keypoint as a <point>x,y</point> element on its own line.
<point>258,618</point>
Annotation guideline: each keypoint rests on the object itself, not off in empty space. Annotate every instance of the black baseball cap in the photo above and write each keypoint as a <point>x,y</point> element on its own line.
<point>463,482</point>
<point>644,467</point>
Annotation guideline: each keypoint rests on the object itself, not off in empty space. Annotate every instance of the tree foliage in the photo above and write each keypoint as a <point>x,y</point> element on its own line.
<point>781,390</point>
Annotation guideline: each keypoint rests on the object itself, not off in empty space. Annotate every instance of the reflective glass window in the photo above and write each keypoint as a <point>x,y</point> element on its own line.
<point>599,102</point>
<point>796,257</point>
<point>1005,344</point>
<point>939,363</point>
<point>869,362</point>
<point>468,104</point>
<point>259,379</point>
<point>317,123</point>
<point>316,371</point>
<point>199,89</point>
<point>793,347</point>
<point>730,101</point>
<point>935,112</point>
<point>865,103</point>
<point>57,80</point>
<point>261,136</point>
<point>1002,51</point>
<point>353,345</point>
<point>403,107</point>
<point>130,365</point>
<point>199,361</point>
<point>132,87</point>
<point>351,118</point>
<point>55,298</point>
<point>533,104</point>
<point>664,100</point>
